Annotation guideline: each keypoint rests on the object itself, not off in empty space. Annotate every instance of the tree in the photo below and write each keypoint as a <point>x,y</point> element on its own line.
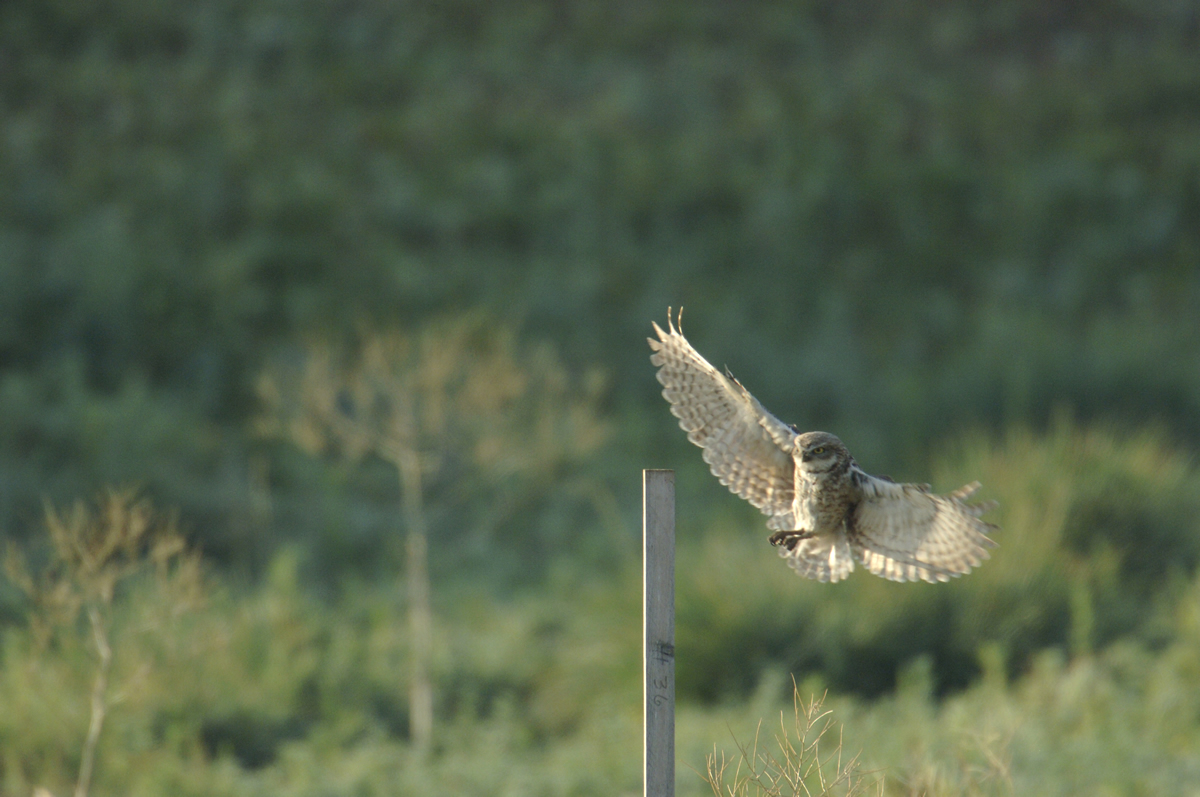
<point>459,393</point>
<point>92,551</point>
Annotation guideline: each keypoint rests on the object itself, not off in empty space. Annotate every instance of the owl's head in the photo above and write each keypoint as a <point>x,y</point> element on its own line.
<point>818,452</point>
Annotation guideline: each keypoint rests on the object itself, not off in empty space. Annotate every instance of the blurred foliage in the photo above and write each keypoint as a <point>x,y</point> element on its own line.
<point>894,221</point>
<point>482,423</point>
<point>278,691</point>
<point>963,236</point>
<point>441,408</point>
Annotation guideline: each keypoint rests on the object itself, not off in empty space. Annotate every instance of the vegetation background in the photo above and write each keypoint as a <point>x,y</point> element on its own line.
<point>963,236</point>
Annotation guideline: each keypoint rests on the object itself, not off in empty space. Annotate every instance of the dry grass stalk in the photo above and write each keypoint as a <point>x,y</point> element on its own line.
<point>800,767</point>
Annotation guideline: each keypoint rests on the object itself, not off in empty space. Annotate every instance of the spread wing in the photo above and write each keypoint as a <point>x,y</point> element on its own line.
<point>903,532</point>
<point>747,448</point>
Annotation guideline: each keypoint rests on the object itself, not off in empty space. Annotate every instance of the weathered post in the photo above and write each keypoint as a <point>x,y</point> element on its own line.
<point>658,631</point>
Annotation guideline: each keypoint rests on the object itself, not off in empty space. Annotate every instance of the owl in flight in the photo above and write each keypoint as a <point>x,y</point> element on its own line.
<point>824,510</point>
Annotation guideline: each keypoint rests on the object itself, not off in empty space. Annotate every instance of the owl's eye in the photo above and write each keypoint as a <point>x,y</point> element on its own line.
<point>819,450</point>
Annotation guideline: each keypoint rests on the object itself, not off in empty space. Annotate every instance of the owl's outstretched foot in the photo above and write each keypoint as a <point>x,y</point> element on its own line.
<point>789,539</point>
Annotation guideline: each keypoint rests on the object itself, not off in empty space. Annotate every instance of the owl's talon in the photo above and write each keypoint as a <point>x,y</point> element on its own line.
<point>789,539</point>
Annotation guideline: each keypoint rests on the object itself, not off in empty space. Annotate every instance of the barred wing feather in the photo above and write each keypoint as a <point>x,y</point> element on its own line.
<point>903,532</point>
<point>745,446</point>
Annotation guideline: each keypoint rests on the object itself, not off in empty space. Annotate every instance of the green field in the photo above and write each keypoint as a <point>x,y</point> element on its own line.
<point>287,282</point>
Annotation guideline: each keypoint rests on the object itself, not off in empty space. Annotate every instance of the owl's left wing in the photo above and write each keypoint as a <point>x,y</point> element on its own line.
<point>903,532</point>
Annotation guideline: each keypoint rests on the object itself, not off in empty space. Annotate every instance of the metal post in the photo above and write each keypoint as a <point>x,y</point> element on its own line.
<point>658,631</point>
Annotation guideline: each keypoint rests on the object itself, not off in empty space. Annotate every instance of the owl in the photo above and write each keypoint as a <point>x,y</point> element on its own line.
<point>825,512</point>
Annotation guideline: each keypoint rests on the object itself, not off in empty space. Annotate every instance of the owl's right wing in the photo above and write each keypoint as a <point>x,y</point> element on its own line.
<point>747,448</point>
